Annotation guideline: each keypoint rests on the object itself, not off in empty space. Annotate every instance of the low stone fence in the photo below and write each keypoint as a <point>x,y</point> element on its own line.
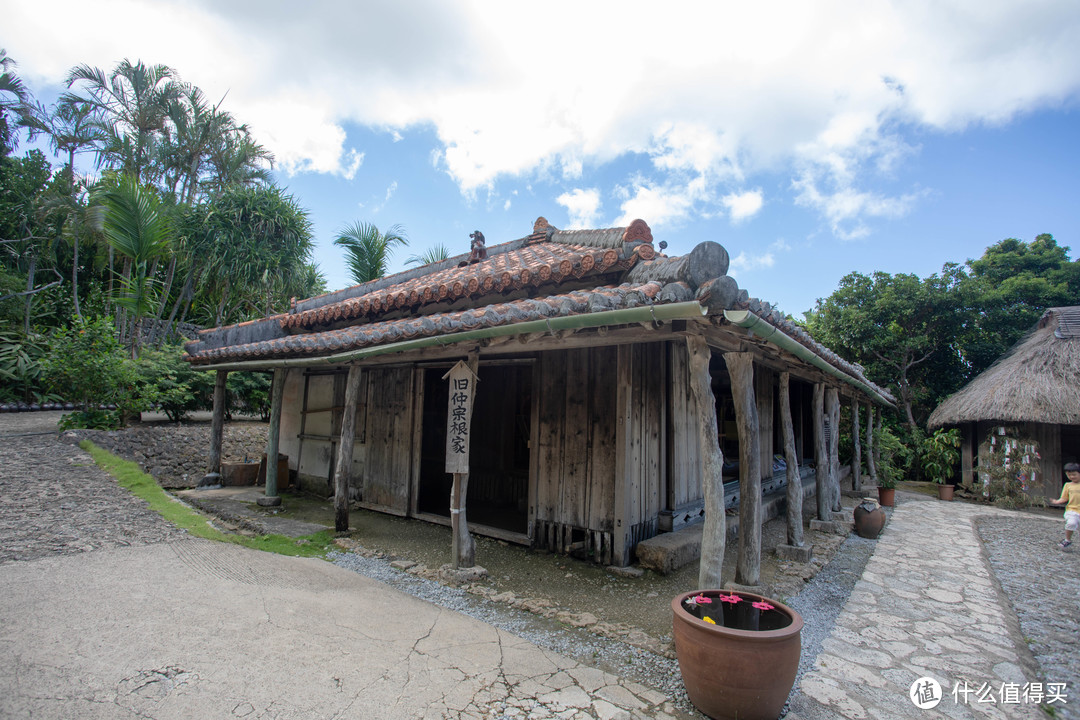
<point>177,455</point>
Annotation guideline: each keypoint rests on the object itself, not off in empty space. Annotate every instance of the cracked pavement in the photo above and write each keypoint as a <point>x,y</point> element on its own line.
<point>156,624</point>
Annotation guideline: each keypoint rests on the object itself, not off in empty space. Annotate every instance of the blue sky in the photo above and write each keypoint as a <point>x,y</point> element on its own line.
<point>811,139</point>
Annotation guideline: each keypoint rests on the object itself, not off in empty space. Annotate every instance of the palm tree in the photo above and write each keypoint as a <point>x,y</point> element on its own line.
<point>137,226</point>
<point>436,253</point>
<point>237,160</point>
<point>14,98</point>
<point>368,250</point>
<point>131,108</point>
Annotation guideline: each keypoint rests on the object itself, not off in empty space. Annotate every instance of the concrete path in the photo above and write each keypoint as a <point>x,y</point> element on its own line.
<point>196,629</point>
<point>927,606</point>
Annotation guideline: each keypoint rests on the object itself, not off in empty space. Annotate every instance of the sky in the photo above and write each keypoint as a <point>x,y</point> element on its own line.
<point>811,138</point>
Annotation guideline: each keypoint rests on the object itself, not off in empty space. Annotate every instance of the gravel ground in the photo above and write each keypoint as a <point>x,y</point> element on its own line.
<point>1042,583</point>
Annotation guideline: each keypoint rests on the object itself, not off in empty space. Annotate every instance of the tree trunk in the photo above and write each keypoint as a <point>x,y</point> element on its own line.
<point>158,336</point>
<point>821,454</point>
<point>75,272</point>
<point>856,446</point>
<point>748,564</point>
<point>29,287</point>
<point>794,480</point>
<point>345,450</point>
<point>714,534</point>
<point>832,403</point>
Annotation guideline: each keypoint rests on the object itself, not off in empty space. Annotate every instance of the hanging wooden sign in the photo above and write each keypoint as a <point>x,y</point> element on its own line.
<point>459,416</point>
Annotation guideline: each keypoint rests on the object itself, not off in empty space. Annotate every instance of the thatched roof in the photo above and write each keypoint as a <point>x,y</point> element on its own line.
<point>1037,380</point>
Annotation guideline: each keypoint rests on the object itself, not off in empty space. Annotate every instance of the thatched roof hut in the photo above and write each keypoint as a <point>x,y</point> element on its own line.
<point>1035,384</point>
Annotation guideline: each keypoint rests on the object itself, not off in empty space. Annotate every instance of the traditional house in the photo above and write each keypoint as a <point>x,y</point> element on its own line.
<point>1034,390</point>
<point>585,427</point>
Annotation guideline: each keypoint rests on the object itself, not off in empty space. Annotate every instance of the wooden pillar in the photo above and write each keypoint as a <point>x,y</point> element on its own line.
<point>856,444</point>
<point>620,536</point>
<point>463,547</point>
<point>748,563</point>
<point>871,451</point>
<point>217,429</point>
<point>832,407</point>
<point>877,448</point>
<point>271,498</point>
<point>821,454</point>
<point>967,455</point>
<point>794,479</point>
<point>714,533</point>
<point>343,468</point>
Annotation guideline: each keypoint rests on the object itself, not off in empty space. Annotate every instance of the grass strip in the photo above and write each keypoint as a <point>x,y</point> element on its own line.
<point>131,477</point>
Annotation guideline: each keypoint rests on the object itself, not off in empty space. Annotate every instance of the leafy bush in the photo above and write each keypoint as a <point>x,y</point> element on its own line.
<point>249,393</point>
<point>20,367</point>
<point>87,365</point>
<point>940,452</point>
<point>895,458</point>
<point>172,384</point>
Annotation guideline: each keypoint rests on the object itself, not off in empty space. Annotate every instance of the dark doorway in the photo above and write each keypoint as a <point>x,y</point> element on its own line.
<point>498,452</point>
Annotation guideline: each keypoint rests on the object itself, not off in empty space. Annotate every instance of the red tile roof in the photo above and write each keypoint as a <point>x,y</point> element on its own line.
<point>388,331</point>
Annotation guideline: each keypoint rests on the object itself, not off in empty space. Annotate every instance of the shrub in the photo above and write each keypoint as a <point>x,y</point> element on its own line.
<point>249,393</point>
<point>894,458</point>
<point>87,365</point>
<point>172,384</point>
<point>940,453</point>
<point>20,367</point>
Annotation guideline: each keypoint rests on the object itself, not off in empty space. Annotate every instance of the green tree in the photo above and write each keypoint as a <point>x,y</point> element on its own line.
<point>368,250</point>
<point>131,112</point>
<point>14,104</point>
<point>894,325</point>
<point>435,253</point>
<point>137,226</point>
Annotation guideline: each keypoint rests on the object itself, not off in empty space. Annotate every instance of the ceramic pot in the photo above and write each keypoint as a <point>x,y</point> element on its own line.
<point>869,519</point>
<point>945,492</point>
<point>886,496</point>
<point>730,673</point>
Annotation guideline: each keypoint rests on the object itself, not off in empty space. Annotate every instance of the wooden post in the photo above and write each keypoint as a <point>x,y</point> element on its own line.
<point>624,425</point>
<point>748,563</point>
<point>832,405</point>
<point>217,429</point>
<point>271,498</point>
<point>463,387</point>
<point>871,463</point>
<point>343,469</point>
<point>714,533</point>
<point>821,454</point>
<point>794,480</point>
<point>967,464</point>
<point>856,443</point>
<point>877,447</point>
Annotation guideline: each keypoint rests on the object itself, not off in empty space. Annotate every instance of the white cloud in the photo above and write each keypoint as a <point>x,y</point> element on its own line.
<point>743,205</point>
<point>582,205</point>
<point>744,262</point>
<point>813,90</point>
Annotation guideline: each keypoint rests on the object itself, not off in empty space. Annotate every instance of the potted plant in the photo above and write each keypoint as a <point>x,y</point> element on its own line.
<point>940,453</point>
<point>738,652</point>
<point>891,454</point>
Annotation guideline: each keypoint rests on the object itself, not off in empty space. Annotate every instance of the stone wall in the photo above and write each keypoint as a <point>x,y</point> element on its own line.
<point>177,455</point>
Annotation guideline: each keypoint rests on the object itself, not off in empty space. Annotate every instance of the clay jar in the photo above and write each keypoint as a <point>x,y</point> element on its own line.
<point>730,673</point>
<point>869,519</point>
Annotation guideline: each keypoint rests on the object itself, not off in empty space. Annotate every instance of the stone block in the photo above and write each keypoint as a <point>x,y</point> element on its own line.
<point>828,526</point>
<point>626,572</point>
<point>802,554</point>
<point>667,552</point>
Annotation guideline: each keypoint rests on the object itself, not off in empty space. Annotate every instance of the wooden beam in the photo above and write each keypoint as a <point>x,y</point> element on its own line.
<point>821,454</point>
<point>620,550</point>
<point>832,407</point>
<point>343,469</point>
<point>217,427</point>
<point>748,563</point>
<point>794,480</point>
<point>463,547</point>
<point>856,441</point>
<point>871,449</point>
<point>277,387</point>
<point>714,534</point>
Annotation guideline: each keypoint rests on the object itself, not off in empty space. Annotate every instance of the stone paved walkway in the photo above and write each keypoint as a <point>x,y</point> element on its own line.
<point>927,606</point>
